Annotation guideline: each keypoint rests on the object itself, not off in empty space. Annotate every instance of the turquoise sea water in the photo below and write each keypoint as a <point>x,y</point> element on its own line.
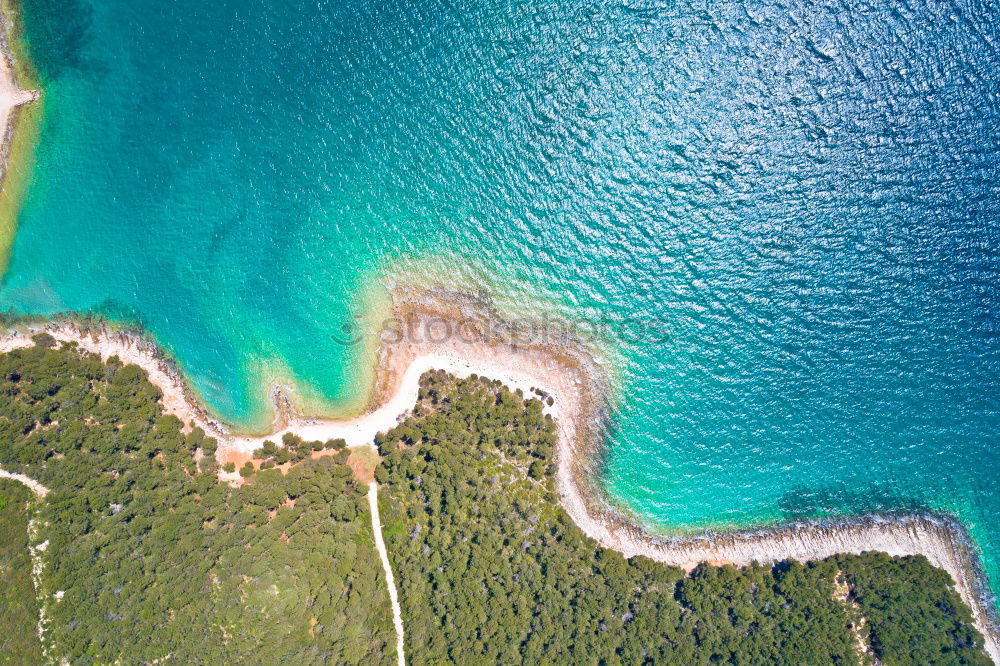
<point>803,198</point>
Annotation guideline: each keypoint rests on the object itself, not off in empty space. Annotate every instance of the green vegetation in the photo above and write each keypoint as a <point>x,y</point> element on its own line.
<point>491,569</point>
<point>294,449</point>
<point>155,557</point>
<point>915,614</point>
<point>149,555</point>
<point>18,607</point>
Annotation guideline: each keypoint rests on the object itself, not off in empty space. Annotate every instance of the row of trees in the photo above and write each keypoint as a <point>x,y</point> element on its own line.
<point>293,449</point>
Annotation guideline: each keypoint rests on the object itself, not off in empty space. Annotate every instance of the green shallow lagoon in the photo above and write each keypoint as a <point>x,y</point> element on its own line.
<point>802,203</point>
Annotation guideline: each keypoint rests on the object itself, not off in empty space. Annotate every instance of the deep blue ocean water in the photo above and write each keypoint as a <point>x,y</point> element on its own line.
<point>801,199</point>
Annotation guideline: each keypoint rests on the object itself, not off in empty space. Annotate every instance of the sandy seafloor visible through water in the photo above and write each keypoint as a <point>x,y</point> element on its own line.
<point>788,216</point>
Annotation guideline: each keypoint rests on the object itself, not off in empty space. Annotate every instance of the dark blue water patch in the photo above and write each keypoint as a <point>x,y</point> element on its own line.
<point>841,500</point>
<point>58,33</point>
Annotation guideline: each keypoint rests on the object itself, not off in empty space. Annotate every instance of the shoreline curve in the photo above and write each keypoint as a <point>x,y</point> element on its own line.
<point>12,98</point>
<point>11,94</point>
<point>479,341</point>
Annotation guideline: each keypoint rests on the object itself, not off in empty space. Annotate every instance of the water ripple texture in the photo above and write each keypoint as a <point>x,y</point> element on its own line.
<point>805,198</point>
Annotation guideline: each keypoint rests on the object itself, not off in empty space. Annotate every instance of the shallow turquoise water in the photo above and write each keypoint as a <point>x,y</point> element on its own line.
<point>803,202</point>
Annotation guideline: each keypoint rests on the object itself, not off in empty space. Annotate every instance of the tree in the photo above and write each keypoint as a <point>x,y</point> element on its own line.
<point>44,340</point>
<point>537,469</point>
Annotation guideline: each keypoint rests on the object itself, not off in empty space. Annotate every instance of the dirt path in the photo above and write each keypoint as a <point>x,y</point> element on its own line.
<point>35,551</point>
<point>397,616</point>
<point>390,581</point>
<point>32,485</point>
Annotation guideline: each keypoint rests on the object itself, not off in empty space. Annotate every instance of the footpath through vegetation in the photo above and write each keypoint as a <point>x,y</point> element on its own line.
<point>149,556</point>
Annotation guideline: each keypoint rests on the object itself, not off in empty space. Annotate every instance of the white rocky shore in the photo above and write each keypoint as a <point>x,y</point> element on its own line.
<point>575,388</point>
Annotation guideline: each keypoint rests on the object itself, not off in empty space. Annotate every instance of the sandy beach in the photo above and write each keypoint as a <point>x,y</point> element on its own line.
<point>11,96</point>
<point>576,382</point>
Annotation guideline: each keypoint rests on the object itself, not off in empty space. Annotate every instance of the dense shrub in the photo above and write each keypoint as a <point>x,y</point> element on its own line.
<point>155,557</point>
<point>18,607</point>
<point>151,556</point>
<point>491,569</point>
